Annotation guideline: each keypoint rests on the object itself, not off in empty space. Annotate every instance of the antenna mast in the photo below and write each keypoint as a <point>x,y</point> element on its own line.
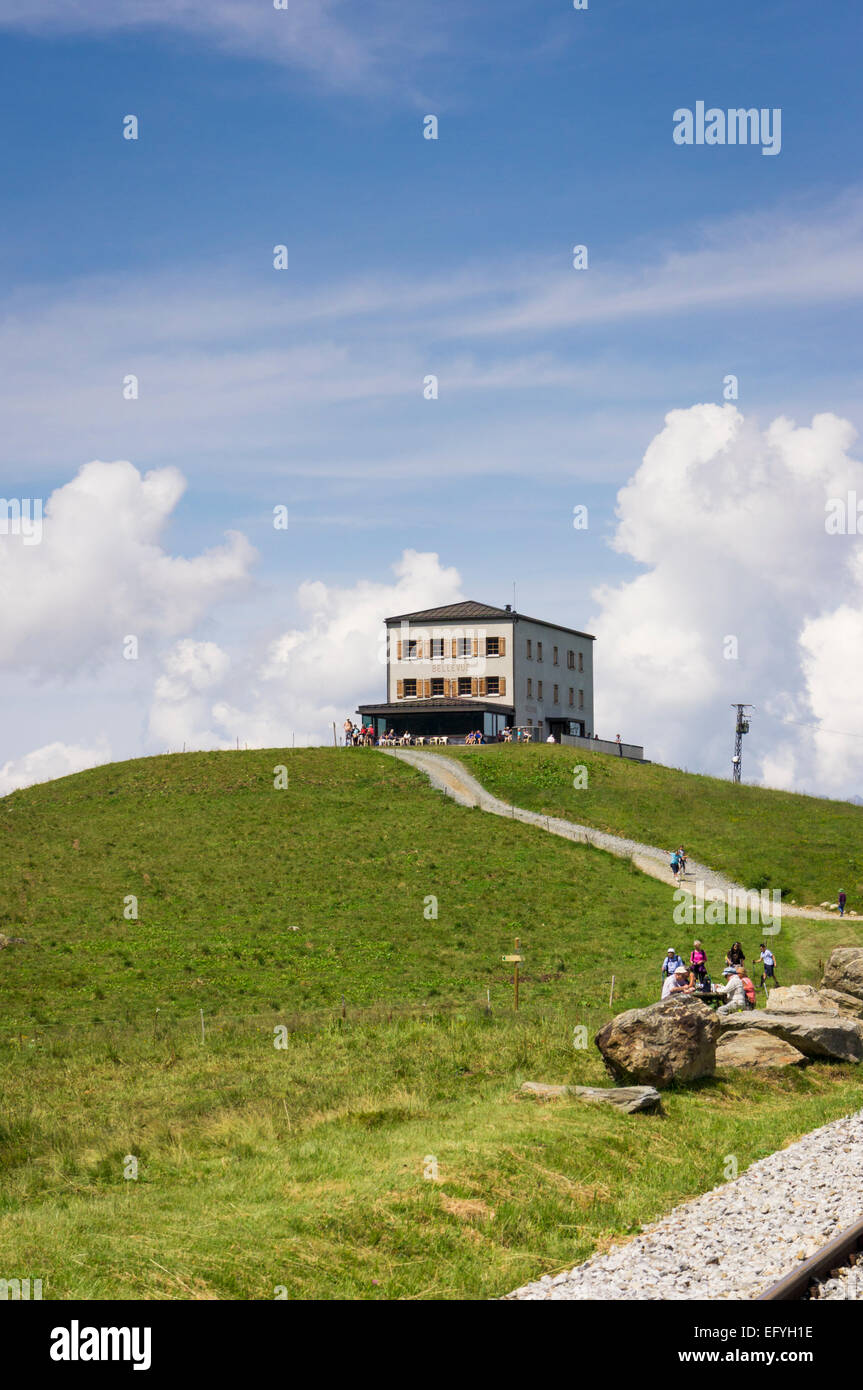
<point>741,727</point>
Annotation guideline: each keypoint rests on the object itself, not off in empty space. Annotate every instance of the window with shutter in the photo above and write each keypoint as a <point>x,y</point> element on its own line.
<point>490,685</point>
<point>581,699</point>
<point>557,694</point>
<point>539,690</point>
<point>529,688</point>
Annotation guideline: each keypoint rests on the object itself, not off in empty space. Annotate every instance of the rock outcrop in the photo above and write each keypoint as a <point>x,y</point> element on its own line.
<point>816,1035</point>
<point>799,999</point>
<point>754,1048</point>
<point>627,1098</point>
<point>844,971</point>
<point>674,1040</point>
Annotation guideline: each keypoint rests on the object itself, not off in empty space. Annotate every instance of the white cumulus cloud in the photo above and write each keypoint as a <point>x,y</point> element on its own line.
<point>45,764</point>
<point>744,596</point>
<point>100,572</point>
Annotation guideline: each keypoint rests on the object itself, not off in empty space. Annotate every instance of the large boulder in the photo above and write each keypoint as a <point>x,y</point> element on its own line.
<point>816,1035</point>
<point>754,1048</point>
<point>674,1040</point>
<point>799,999</point>
<point>844,971</point>
<point>626,1098</point>
<point>845,1003</point>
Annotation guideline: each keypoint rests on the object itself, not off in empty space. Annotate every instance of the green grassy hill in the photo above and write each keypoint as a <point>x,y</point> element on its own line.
<point>308,1167</point>
<point>807,846</point>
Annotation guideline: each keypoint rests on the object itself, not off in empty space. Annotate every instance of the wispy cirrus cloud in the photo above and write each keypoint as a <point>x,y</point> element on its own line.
<point>329,39</point>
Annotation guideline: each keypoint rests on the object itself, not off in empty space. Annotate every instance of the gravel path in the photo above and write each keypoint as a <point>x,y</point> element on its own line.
<point>450,777</point>
<point>748,1233</point>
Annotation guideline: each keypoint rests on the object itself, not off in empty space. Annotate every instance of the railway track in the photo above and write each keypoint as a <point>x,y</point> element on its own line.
<point>843,1255</point>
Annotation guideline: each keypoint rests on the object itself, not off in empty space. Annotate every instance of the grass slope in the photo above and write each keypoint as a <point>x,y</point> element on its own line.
<point>808,846</point>
<point>303,1167</point>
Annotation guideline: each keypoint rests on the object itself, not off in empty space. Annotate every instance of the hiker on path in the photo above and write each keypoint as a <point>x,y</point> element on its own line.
<point>681,859</point>
<point>767,961</point>
<point>675,864</point>
<point>842,901</point>
<point>349,729</point>
<point>672,962</point>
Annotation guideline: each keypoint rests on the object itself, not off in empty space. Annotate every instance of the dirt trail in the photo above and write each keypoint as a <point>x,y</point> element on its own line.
<point>450,777</point>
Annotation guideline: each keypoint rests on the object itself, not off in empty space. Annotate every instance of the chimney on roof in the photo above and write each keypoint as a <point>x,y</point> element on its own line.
<point>508,608</point>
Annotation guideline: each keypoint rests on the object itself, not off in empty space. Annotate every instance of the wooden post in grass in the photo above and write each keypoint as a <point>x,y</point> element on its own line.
<point>516,961</point>
<point>335,740</point>
<point>611,995</point>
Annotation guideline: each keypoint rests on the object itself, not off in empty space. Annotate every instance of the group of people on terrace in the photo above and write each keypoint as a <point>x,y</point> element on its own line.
<point>738,990</point>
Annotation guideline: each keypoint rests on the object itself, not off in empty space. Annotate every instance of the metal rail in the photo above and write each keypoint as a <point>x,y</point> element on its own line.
<point>833,1255</point>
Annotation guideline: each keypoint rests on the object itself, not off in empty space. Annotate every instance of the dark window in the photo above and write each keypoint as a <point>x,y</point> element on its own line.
<point>492,646</point>
<point>557,695</point>
<point>529,650</point>
<point>492,686</point>
<point>464,684</point>
<point>437,687</point>
<point>539,651</point>
<point>410,688</point>
<point>529,688</point>
<point>412,649</point>
<point>554,658</point>
<point>571,696</point>
<point>539,690</point>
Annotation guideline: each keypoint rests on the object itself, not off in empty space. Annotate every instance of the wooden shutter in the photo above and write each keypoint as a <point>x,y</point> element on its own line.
<point>454,646</point>
<point>427,647</point>
<point>474,686</point>
<point>398,651</point>
<point>400,688</point>
<point>476,646</point>
<point>427,686</point>
<point>501,685</point>
<point>501,646</point>
<point>482,688</point>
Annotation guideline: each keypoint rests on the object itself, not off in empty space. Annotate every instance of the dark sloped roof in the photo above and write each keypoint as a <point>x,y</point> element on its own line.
<point>460,612</point>
<point>468,609</point>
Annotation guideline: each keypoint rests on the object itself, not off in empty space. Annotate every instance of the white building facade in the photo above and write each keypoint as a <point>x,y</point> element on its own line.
<point>469,666</point>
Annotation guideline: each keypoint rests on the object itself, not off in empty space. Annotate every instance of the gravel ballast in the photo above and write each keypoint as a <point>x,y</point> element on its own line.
<point>739,1238</point>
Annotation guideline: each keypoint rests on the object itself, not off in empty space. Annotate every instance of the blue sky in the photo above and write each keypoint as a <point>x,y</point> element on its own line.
<point>410,257</point>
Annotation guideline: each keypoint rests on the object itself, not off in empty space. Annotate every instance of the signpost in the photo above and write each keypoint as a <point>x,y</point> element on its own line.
<point>515,961</point>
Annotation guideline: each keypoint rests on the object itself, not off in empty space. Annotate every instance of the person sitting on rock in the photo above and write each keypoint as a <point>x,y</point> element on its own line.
<point>734,991</point>
<point>678,983</point>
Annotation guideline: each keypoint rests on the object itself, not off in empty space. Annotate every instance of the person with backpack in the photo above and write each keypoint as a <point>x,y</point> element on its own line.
<point>681,860</point>
<point>698,961</point>
<point>675,865</point>
<point>842,900</point>
<point>767,961</point>
<point>672,962</point>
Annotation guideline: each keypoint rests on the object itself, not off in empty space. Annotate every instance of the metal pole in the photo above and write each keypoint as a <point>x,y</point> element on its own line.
<point>515,977</point>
